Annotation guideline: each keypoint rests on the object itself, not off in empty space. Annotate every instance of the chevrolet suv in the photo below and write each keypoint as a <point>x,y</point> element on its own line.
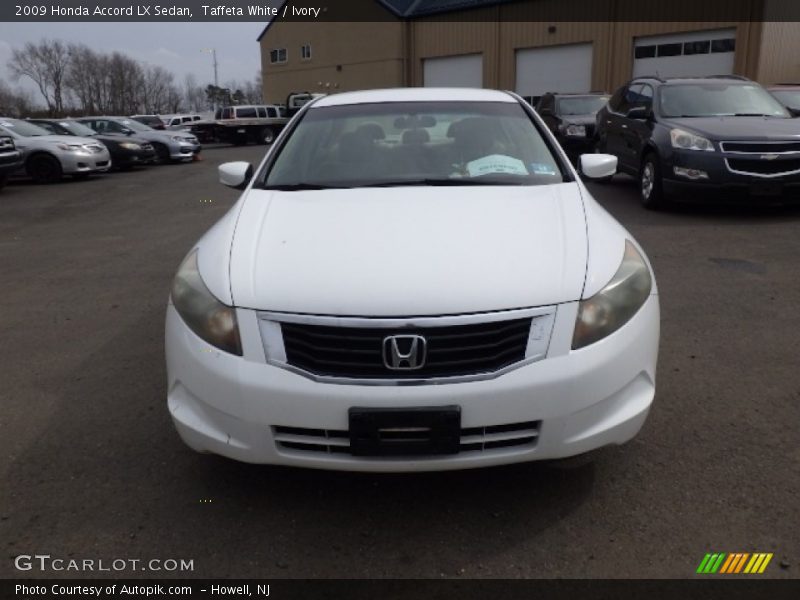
<point>724,137</point>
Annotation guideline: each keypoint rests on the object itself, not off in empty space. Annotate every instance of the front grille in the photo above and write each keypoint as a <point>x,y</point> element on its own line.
<point>760,147</point>
<point>764,167</point>
<point>452,351</point>
<point>473,439</point>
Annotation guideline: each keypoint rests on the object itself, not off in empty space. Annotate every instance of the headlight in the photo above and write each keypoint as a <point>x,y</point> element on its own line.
<point>71,147</point>
<point>201,311</point>
<point>689,141</point>
<point>130,146</point>
<point>178,138</point>
<point>614,305</point>
<point>575,130</point>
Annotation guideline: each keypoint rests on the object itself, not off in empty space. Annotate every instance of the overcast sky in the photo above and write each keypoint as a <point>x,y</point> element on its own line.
<point>175,46</point>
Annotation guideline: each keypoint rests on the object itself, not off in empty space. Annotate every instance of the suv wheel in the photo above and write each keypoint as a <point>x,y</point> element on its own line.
<point>650,189</point>
<point>44,168</point>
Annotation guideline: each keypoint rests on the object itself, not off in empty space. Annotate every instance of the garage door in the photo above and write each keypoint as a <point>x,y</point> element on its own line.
<point>554,69</point>
<point>694,54</point>
<point>454,71</point>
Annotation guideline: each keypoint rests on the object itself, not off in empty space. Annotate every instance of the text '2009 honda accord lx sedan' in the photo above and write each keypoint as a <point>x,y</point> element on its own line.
<point>413,279</point>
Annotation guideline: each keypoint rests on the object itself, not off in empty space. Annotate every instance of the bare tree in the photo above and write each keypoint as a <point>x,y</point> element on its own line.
<point>194,96</point>
<point>45,64</point>
<point>15,102</point>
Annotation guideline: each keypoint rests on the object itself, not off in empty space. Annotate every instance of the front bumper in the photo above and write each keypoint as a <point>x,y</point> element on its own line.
<point>128,158</point>
<point>184,150</point>
<point>10,161</point>
<point>723,184</point>
<point>73,163</point>
<point>582,400</point>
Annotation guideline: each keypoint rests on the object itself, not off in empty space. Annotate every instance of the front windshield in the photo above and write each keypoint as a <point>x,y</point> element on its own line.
<point>77,128</point>
<point>718,100</point>
<point>581,105</point>
<point>414,143</point>
<point>788,97</point>
<point>23,128</point>
<point>134,125</point>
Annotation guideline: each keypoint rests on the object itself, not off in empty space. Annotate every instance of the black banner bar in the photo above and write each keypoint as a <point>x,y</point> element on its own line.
<point>729,588</point>
<point>311,11</point>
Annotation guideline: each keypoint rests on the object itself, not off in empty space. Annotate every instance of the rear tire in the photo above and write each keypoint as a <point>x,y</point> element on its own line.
<point>44,168</point>
<point>651,191</point>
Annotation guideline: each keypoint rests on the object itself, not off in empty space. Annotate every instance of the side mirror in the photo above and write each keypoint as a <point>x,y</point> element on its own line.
<point>598,166</point>
<point>235,174</point>
<point>638,112</point>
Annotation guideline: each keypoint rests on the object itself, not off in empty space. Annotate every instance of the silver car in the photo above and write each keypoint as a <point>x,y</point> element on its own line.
<point>47,158</point>
<point>169,145</point>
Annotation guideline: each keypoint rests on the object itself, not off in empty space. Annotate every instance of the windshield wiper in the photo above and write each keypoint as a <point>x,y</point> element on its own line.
<point>432,181</point>
<point>299,187</point>
<point>753,115</point>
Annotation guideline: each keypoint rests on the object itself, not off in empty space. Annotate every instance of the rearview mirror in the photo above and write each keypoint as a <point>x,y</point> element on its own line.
<point>598,166</point>
<point>235,174</point>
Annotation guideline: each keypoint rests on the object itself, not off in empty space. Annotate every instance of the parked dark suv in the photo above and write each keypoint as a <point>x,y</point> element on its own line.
<point>701,137</point>
<point>571,118</point>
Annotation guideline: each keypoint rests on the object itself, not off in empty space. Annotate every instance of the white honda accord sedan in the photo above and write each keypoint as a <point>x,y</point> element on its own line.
<point>412,280</point>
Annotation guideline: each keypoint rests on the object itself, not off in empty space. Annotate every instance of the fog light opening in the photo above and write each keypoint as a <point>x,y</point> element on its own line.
<point>690,173</point>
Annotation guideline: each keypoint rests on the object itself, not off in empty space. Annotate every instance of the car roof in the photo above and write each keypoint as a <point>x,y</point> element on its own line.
<point>733,79</point>
<point>418,94</point>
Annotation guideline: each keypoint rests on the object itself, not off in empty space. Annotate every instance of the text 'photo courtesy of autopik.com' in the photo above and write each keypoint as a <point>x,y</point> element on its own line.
<point>399,299</point>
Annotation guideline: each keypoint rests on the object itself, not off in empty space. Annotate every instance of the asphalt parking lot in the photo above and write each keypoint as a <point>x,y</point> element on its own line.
<point>92,468</point>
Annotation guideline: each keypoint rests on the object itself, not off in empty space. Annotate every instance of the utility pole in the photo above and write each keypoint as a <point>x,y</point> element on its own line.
<point>216,79</point>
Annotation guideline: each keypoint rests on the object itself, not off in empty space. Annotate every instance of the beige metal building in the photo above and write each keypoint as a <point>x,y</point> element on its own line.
<point>525,46</point>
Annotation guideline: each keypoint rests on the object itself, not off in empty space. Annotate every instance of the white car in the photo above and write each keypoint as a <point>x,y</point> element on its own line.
<point>413,280</point>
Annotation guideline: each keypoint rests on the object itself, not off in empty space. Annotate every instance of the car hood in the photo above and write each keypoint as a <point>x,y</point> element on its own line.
<point>56,139</point>
<point>409,251</point>
<point>739,128</point>
<point>111,138</point>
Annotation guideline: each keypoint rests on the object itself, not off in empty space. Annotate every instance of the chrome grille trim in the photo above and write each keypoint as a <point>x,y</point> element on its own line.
<point>541,327</point>
<point>756,150</point>
<point>504,437</point>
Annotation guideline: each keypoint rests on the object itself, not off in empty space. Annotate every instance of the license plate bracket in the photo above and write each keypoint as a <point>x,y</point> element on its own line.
<point>427,430</point>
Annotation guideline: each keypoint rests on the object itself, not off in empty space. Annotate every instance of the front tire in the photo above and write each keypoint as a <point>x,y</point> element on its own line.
<point>651,191</point>
<point>44,168</point>
<point>268,135</point>
<point>162,154</point>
